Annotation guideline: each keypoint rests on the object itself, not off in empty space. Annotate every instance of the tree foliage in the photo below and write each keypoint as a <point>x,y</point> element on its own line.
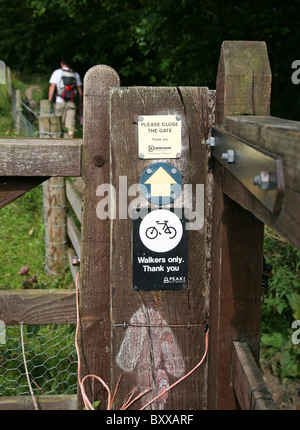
<point>157,42</point>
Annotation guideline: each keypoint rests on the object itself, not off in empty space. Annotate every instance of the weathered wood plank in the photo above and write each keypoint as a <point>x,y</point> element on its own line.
<point>248,383</point>
<point>235,295</point>
<point>38,306</point>
<point>13,187</point>
<point>243,87</point>
<point>286,223</point>
<point>54,204</point>
<point>50,125</point>
<point>74,199</point>
<point>45,402</point>
<point>277,136</point>
<point>281,138</point>
<point>150,356</point>
<point>40,157</point>
<point>74,235</point>
<point>55,214</point>
<point>94,338</point>
<point>74,269</point>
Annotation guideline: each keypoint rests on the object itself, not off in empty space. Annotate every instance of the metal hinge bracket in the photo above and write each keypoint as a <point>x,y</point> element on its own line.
<point>260,172</point>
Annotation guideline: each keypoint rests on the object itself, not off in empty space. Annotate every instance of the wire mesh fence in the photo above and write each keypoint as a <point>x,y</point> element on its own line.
<point>48,352</point>
<point>22,125</point>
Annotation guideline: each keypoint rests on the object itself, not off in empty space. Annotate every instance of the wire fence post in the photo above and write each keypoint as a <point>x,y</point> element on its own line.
<point>54,200</point>
<point>18,111</point>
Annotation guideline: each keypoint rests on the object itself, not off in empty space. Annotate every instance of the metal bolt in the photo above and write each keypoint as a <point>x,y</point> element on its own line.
<point>149,171</point>
<point>141,155</point>
<point>178,155</point>
<point>229,156</point>
<point>173,171</point>
<point>140,118</point>
<point>178,117</point>
<point>75,261</point>
<point>265,180</point>
<point>211,141</point>
<point>99,161</point>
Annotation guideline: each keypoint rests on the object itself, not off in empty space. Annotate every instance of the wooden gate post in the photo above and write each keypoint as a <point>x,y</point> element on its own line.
<point>243,88</point>
<point>158,332</point>
<point>54,200</point>
<point>94,337</point>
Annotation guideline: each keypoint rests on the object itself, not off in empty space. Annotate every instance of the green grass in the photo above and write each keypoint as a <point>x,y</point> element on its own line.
<point>21,222</point>
<point>22,243</point>
<point>6,118</point>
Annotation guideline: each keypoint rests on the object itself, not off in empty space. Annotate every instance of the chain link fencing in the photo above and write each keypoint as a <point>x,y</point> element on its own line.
<point>48,352</point>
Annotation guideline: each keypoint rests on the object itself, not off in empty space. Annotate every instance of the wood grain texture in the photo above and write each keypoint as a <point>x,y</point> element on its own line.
<point>248,383</point>
<point>243,80</point>
<point>45,402</point>
<point>74,235</point>
<point>235,297</point>
<point>55,222</point>
<point>94,339</point>
<point>280,138</point>
<point>243,88</point>
<point>40,157</point>
<point>74,199</point>
<point>156,357</point>
<point>13,187</point>
<point>277,136</point>
<point>38,306</point>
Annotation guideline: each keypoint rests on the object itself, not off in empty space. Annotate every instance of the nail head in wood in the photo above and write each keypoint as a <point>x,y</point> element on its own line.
<point>99,161</point>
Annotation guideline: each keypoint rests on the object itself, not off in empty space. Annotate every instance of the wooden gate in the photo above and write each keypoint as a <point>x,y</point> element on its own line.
<point>152,336</point>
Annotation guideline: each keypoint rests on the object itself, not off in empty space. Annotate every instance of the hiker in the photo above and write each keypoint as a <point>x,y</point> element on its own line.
<point>66,87</point>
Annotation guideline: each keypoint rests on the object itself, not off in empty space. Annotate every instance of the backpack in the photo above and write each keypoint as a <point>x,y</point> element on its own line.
<point>67,88</point>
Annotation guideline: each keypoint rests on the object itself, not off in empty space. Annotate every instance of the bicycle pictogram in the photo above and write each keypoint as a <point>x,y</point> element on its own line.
<point>152,232</point>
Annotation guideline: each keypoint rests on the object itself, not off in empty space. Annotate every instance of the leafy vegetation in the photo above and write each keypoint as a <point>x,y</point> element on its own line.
<point>281,307</point>
<point>151,42</point>
<point>6,118</point>
<point>22,243</point>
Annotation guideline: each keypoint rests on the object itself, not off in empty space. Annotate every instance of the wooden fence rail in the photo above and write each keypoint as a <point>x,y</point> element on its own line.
<point>243,91</point>
<point>37,306</point>
<point>248,383</point>
<point>228,267</point>
<point>74,233</point>
<point>281,138</point>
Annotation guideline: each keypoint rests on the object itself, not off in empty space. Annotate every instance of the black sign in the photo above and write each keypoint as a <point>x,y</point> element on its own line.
<point>160,250</point>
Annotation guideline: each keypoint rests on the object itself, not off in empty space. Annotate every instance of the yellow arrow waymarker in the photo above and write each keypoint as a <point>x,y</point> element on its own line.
<point>160,183</point>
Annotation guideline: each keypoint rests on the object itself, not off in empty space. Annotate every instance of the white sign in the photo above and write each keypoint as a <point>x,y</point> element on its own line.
<point>161,230</point>
<point>159,136</point>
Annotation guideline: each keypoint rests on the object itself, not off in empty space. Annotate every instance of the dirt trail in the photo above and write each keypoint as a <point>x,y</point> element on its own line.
<point>28,94</point>
<point>285,396</point>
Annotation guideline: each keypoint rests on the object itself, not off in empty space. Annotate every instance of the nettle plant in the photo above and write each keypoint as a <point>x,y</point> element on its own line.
<point>281,307</point>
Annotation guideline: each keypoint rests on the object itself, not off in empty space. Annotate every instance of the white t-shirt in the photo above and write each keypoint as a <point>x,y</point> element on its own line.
<point>56,77</point>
